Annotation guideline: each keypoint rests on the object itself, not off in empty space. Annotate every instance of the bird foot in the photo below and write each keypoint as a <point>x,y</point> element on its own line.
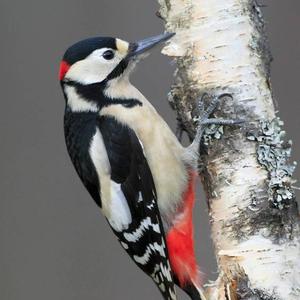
<point>204,119</point>
<point>204,114</point>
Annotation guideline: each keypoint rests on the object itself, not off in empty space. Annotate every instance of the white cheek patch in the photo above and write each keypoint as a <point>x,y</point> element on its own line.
<point>94,68</point>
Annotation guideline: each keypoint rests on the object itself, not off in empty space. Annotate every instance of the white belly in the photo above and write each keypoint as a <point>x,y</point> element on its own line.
<point>168,169</point>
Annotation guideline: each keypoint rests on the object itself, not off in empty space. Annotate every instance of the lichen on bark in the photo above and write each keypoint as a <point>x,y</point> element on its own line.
<point>273,152</point>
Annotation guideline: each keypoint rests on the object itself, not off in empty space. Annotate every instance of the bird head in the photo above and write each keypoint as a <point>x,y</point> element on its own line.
<point>101,59</point>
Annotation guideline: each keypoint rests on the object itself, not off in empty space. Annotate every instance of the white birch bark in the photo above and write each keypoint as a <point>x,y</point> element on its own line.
<point>220,47</point>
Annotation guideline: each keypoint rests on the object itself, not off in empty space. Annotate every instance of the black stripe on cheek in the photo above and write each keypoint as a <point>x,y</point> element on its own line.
<point>118,70</point>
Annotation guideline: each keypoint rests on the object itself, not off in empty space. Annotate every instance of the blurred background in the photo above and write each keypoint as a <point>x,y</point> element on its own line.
<point>54,242</point>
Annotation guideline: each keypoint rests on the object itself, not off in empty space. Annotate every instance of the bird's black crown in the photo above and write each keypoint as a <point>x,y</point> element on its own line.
<point>82,49</point>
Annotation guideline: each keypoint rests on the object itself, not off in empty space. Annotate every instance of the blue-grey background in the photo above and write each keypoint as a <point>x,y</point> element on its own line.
<point>54,244</point>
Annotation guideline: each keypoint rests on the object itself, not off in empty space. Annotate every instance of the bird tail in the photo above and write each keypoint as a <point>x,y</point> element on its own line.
<point>195,293</point>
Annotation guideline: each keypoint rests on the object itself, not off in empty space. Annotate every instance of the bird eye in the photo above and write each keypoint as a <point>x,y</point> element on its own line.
<point>108,55</point>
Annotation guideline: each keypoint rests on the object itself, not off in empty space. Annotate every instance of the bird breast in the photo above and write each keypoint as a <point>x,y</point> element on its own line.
<point>162,150</point>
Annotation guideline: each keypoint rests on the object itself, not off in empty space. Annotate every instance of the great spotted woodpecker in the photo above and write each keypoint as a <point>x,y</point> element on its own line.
<point>129,160</point>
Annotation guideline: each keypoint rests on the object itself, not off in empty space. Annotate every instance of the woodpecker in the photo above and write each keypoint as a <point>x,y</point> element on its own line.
<point>130,161</point>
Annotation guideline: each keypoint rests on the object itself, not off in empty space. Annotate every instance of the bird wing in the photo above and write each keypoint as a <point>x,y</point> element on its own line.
<point>144,238</point>
<point>79,130</point>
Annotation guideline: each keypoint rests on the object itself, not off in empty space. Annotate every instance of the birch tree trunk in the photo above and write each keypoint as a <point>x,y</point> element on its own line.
<point>221,47</point>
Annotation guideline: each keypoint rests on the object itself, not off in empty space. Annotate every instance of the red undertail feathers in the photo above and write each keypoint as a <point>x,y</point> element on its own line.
<point>180,240</point>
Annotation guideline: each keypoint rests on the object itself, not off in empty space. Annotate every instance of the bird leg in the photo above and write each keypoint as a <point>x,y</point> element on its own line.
<point>204,120</point>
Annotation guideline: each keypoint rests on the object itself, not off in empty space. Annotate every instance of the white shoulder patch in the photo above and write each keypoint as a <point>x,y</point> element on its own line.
<point>114,204</point>
<point>101,163</point>
<point>120,216</point>
<point>99,155</point>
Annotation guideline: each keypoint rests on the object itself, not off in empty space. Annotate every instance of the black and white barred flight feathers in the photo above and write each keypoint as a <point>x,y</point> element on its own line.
<point>144,239</point>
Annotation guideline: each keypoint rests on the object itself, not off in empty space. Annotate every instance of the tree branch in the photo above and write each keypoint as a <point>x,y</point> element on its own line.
<point>221,47</point>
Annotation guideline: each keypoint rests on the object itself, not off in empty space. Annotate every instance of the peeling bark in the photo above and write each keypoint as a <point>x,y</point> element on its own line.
<point>221,47</point>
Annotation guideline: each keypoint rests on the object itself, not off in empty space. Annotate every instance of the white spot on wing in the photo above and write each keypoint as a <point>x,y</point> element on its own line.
<point>155,278</point>
<point>124,245</point>
<point>140,199</point>
<point>138,233</point>
<point>150,249</point>
<point>172,294</point>
<point>166,272</point>
<point>159,275</point>
<point>162,287</point>
<point>150,206</point>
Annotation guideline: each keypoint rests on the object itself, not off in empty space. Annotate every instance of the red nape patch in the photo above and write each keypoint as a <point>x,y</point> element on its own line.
<point>63,69</point>
<point>180,240</point>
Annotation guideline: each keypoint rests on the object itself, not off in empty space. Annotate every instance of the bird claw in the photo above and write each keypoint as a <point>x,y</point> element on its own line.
<point>219,121</point>
<point>203,120</point>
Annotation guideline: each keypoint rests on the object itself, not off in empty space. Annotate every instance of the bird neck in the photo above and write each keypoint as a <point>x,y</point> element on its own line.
<point>93,97</point>
<point>81,98</point>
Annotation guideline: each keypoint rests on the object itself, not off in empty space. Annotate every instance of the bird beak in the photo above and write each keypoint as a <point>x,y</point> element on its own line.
<point>140,47</point>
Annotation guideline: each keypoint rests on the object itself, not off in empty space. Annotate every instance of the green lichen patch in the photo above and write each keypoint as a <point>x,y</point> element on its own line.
<point>212,132</point>
<point>273,153</point>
